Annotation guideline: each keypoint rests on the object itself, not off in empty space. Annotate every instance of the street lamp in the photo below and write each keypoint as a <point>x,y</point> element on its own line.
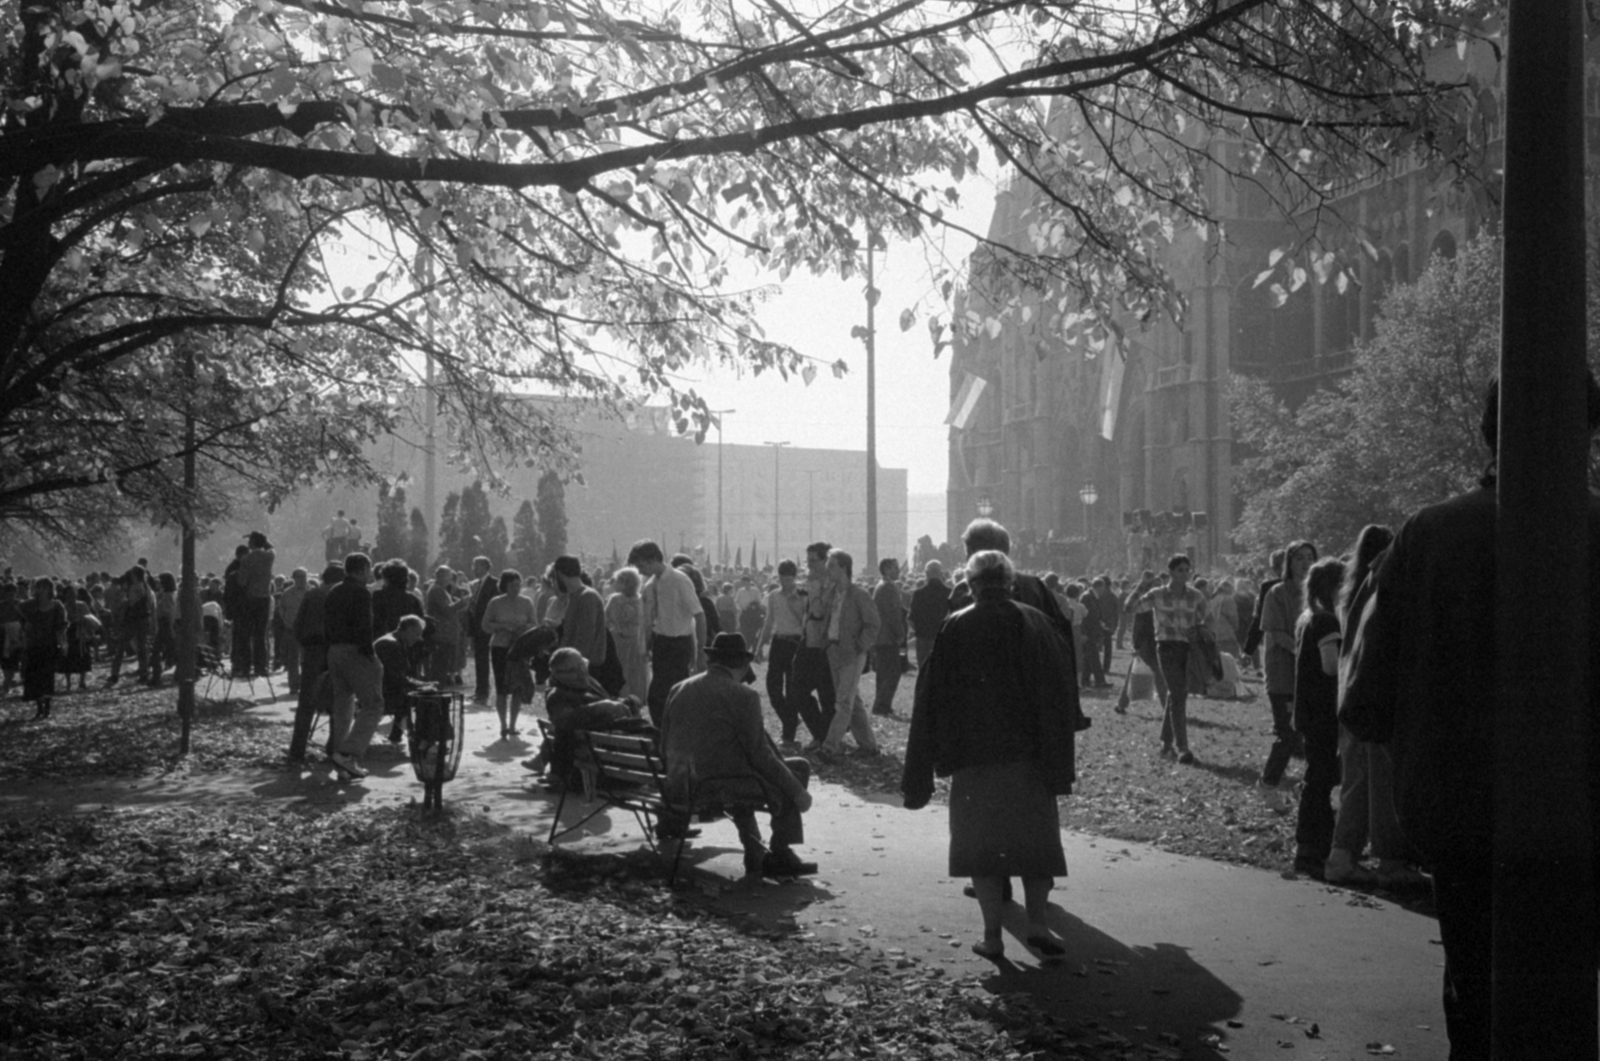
<point>777,448</point>
<point>985,506</point>
<point>1089,495</point>
<point>722,552</point>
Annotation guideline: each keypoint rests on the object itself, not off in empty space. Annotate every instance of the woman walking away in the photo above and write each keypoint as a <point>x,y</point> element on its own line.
<point>994,712</point>
<point>1316,713</point>
<point>1179,611</point>
<point>44,640</point>
<point>1279,612</point>
<point>506,618</point>
<point>625,620</point>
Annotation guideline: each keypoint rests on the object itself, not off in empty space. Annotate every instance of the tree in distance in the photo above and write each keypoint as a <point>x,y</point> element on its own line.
<point>1400,431</point>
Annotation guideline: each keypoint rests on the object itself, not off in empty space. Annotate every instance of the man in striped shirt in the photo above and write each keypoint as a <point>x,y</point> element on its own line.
<point>1179,610</point>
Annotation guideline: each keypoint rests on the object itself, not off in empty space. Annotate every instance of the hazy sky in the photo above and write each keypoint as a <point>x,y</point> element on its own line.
<point>815,315</point>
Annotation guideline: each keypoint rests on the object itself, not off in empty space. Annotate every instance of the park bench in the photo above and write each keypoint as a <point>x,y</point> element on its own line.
<point>627,772</point>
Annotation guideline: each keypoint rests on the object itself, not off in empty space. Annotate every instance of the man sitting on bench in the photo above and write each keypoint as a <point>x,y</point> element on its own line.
<point>718,753</point>
<point>577,701</point>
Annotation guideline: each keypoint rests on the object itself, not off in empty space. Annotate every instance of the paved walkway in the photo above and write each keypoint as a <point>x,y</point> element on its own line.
<point>1162,950</point>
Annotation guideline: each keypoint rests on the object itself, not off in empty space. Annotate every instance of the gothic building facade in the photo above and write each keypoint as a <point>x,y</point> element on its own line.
<point>1111,459</point>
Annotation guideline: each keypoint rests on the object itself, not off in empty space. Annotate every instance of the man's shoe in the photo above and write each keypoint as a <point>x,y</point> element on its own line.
<point>866,753</point>
<point>1400,877</point>
<point>1186,758</point>
<point>883,714</point>
<point>1310,866</point>
<point>347,764</point>
<point>786,864</point>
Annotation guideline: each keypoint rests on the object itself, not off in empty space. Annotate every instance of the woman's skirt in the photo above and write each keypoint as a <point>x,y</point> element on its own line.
<point>1004,823</point>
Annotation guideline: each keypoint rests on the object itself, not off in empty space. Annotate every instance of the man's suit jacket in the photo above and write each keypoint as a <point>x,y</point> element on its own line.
<point>858,621</point>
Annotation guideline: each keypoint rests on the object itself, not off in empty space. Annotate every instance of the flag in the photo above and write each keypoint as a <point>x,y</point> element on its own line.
<point>738,557</point>
<point>753,553</point>
<point>1113,362</point>
<point>966,401</point>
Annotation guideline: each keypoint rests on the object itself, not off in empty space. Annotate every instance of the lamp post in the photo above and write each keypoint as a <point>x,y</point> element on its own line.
<point>1088,495</point>
<point>722,557</point>
<point>777,448</point>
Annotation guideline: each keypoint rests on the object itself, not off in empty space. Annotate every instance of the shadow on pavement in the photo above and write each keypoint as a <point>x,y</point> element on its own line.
<point>1158,986</point>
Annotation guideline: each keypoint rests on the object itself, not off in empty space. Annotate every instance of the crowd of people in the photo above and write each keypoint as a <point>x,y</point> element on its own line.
<point>1001,657</point>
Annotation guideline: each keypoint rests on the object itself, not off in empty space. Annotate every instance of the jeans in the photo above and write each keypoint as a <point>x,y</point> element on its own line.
<point>1366,800</point>
<point>314,664</point>
<point>1285,739</point>
<point>811,674</point>
<point>254,615</point>
<point>1174,657</point>
<point>671,660</point>
<point>1313,833</point>
<point>780,659</point>
<point>357,675</point>
<point>1092,673</point>
<point>135,634</point>
<point>886,668</point>
<point>849,713</point>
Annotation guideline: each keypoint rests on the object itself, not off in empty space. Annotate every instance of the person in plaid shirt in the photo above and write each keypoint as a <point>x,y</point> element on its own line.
<point>1179,610</point>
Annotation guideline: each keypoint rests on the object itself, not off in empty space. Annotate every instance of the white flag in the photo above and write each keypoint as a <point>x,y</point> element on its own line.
<point>966,401</point>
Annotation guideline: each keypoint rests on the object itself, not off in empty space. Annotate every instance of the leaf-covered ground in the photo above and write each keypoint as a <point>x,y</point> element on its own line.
<point>1212,809</point>
<point>366,934</point>
<point>129,731</point>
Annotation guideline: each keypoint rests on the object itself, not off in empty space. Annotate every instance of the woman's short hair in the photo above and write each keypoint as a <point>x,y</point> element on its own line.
<point>396,574</point>
<point>1177,560</point>
<point>628,581</point>
<point>990,567</point>
<point>508,578</point>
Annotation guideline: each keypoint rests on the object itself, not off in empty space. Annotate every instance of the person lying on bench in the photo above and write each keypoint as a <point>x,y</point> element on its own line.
<point>576,701</point>
<point>718,752</point>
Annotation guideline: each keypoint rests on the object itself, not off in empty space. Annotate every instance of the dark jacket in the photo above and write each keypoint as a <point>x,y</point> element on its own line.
<point>1421,673</point>
<point>1031,590</point>
<point>996,689</point>
<point>397,679</point>
<point>390,604</point>
<point>930,604</point>
<point>717,746</point>
<point>347,615</point>
<point>310,622</point>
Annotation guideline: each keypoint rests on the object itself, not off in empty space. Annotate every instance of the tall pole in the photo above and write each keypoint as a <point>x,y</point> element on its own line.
<point>189,597</point>
<point>1543,909</point>
<point>777,447</point>
<point>872,408</point>
<point>721,551</point>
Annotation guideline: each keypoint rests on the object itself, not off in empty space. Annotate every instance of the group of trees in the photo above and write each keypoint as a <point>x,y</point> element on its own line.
<point>265,221</point>
<point>468,529</point>
<point>1400,431</point>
